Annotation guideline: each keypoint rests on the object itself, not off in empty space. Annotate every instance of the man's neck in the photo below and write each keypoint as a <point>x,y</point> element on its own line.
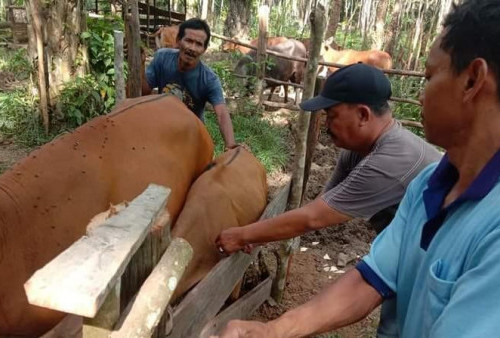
<point>471,154</point>
<point>184,66</point>
<point>382,125</point>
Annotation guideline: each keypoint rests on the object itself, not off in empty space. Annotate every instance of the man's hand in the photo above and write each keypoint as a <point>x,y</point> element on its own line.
<point>231,240</point>
<point>247,329</point>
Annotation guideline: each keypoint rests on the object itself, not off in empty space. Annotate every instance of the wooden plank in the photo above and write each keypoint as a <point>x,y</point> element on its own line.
<point>148,307</point>
<point>207,298</point>
<point>79,279</point>
<point>241,309</point>
<point>161,12</point>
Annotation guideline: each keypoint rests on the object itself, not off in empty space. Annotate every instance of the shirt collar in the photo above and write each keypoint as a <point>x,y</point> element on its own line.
<point>446,175</point>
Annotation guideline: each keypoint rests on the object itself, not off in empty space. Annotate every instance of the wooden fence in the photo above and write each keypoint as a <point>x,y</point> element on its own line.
<point>120,277</point>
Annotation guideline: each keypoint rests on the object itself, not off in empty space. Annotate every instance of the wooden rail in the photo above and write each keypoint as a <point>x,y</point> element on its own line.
<point>322,63</point>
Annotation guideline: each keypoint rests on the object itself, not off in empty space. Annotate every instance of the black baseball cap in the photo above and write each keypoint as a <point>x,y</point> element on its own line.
<point>357,83</point>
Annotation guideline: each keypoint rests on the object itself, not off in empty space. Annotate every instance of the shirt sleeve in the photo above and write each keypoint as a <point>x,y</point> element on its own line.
<point>153,69</point>
<point>214,89</point>
<point>472,309</point>
<point>339,173</point>
<point>372,185</point>
<point>380,267</point>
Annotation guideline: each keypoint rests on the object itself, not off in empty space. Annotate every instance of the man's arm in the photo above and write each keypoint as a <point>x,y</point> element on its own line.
<point>313,216</point>
<point>225,124</point>
<point>344,302</point>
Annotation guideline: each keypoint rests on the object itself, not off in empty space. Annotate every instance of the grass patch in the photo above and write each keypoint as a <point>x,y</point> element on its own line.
<point>266,141</point>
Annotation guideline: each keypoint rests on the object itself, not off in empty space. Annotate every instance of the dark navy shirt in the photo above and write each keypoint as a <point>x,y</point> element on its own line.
<point>197,85</point>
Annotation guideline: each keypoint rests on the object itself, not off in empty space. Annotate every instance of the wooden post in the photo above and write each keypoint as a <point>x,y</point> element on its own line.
<point>148,12</point>
<point>119,80</point>
<point>288,247</point>
<point>261,51</point>
<point>148,307</point>
<point>134,51</point>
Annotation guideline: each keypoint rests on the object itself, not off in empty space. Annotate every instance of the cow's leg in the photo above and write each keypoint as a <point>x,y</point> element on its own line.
<point>273,88</point>
<point>286,92</point>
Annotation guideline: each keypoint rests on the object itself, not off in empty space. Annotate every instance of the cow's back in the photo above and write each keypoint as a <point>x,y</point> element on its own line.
<point>232,193</point>
<point>47,199</point>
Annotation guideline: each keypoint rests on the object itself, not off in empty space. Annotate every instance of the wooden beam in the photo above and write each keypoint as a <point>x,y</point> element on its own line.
<point>241,309</point>
<point>146,310</point>
<point>79,279</point>
<point>205,300</point>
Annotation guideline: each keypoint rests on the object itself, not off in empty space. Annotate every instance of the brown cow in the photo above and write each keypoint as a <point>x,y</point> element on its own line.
<point>375,58</point>
<point>279,68</point>
<point>231,46</point>
<point>166,37</point>
<point>48,198</point>
<point>231,193</point>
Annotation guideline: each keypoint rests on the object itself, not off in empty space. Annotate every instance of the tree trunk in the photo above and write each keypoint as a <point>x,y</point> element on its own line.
<point>378,37</point>
<point>237,22</point>
<point>334,19</point>
<point>56,28</point>
<point>134,49</point>
<point>393,31</point>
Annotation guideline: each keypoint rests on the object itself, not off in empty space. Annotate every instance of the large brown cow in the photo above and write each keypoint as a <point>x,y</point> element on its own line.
<point>278,68</point>
<point>48,198</point>
<point>166,37</point>
<point>231,193</point>
<point>375,58</point>
<point>231,46</point>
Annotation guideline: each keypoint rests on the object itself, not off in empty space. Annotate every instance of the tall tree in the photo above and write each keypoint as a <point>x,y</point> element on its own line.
<point>334,18</point>
<point>393,31</point>
<point>378,36</point>
<point>54,29</point>
<point>237,22</point>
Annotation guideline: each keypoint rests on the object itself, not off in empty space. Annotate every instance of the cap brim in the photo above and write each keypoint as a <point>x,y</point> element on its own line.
<point>317,103</point>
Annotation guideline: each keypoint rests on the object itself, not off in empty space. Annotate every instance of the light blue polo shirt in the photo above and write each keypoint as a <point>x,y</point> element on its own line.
<point>442,266</point>
<point>198,85</point>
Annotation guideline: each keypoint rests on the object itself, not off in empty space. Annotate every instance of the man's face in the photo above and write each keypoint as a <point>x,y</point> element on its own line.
<point>441,98</point>
<point>342,123</point>
<point>191,47</point>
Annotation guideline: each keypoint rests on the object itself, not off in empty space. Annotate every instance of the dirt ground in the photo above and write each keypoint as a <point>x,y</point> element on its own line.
<point>324,255</point>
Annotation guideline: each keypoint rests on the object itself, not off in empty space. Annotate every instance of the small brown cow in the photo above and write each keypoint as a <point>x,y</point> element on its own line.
<point>166,37</point>
<point>231,193</point>
<point>47,199</point>
<point>346,57</point>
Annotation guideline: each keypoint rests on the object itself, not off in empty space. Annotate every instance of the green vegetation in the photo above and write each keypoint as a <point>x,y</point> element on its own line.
<point>266,141</point>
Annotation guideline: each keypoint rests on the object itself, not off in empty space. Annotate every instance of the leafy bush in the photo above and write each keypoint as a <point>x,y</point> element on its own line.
<point>100,41</point>
<point>80,101</point>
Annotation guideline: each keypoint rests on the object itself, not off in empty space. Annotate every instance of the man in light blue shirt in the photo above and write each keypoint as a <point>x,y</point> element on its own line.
<point>182,72</point>
<point>439,259</point>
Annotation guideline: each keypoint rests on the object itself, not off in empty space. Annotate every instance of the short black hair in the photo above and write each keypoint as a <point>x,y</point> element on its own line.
<point>472,30</point>
<point>380,109</point>
<point>194,23</point>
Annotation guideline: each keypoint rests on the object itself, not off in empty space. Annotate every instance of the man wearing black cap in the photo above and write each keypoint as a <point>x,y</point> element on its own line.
<point>379,159</point>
